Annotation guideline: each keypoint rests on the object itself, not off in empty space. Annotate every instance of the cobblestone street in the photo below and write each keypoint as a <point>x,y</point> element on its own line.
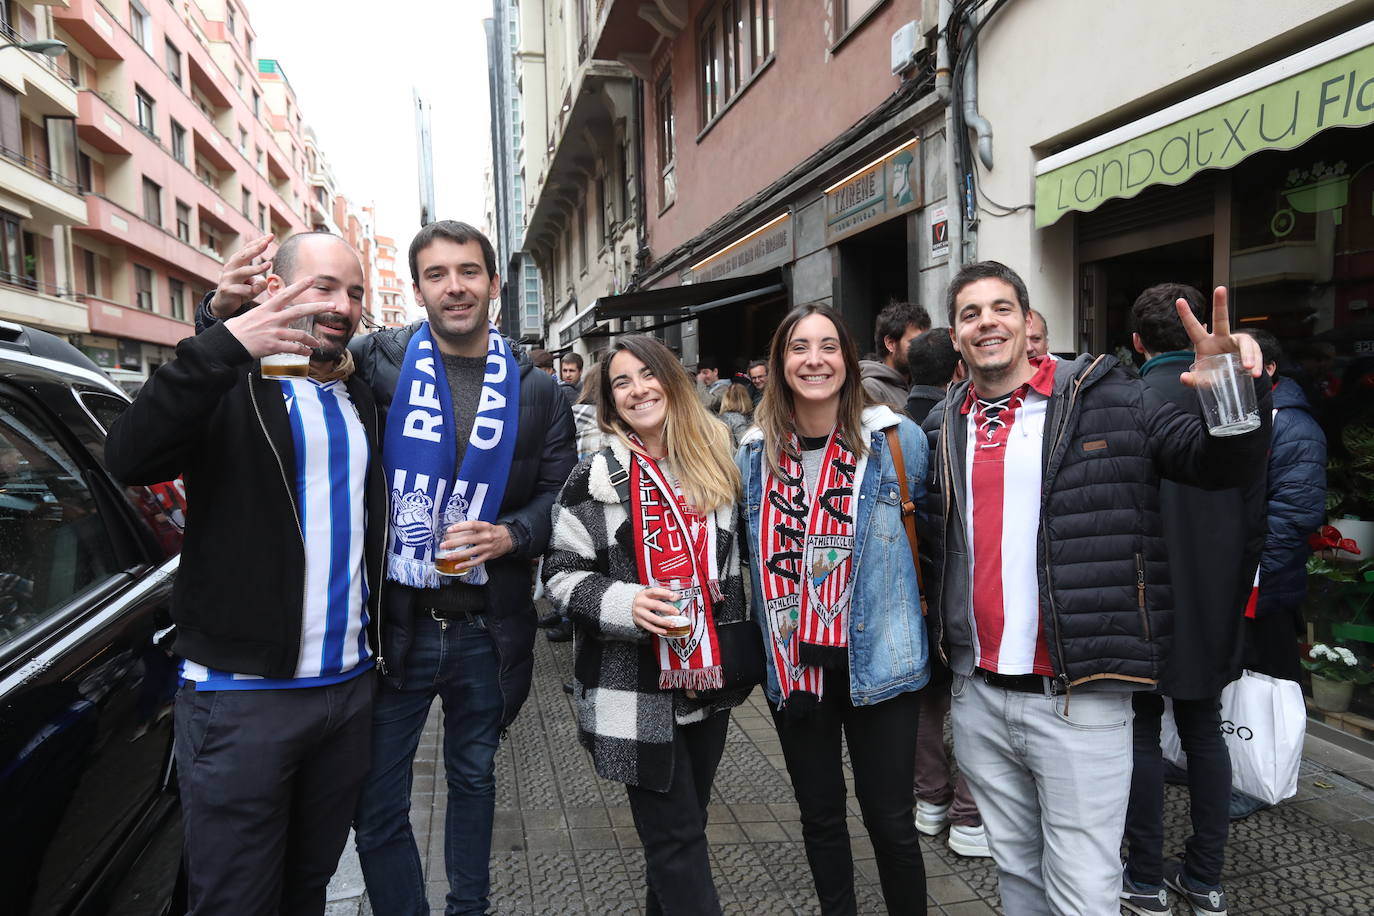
<point>564,841</point>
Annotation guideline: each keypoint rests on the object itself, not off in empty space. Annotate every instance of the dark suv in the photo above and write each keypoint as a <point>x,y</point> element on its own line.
<point>87,809</point>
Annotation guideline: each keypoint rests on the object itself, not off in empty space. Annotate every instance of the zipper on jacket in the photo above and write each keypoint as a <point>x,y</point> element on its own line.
<point>1140,593</point>
<point>291,496</point>
<point>947,463</point>
<point>1045,537</point>
<point>386,539</point>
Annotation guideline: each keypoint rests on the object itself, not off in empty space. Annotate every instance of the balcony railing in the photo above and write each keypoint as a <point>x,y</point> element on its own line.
<point>7,33</point>
<point>40,169</point>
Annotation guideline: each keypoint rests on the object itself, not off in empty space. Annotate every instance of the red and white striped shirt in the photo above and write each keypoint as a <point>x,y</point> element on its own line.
<point>1003,460</point>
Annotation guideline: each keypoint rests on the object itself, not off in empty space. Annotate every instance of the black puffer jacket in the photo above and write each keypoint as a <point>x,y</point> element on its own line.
<point>1297,499</point>
<point>1103,566</point>
<point>544,456</point>
<point>1214,539</point>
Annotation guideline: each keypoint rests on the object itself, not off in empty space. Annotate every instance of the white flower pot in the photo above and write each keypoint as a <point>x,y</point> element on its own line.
<point>1331,696</point>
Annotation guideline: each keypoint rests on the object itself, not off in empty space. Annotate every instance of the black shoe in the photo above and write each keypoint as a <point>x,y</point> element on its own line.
<point>560,633</point>
<point>568,688</point>
<point>550,620</point>
<point>1204,900</point>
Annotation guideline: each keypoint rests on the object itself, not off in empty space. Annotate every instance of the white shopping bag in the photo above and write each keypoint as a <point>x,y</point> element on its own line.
<point>1263,720</point>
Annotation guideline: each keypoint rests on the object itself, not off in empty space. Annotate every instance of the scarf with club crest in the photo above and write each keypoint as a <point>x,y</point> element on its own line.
<point>806,542</point>
<point>418,450</point>
<point>676,549</point>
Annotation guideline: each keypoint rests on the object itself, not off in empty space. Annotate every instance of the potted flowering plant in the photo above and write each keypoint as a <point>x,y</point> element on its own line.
<point>1335,672</point>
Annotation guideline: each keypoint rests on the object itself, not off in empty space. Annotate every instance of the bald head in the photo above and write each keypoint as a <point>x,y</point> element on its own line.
<point>287,261</point>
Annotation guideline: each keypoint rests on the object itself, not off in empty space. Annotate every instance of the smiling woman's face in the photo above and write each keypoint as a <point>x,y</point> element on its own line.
<point>813,366</point>
<point>638,397</point>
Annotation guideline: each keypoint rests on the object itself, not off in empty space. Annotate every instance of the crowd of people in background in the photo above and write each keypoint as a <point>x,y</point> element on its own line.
<point>961,527</point>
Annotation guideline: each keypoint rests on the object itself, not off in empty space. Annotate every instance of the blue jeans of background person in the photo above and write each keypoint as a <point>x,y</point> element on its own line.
<point>1209,790</point>
<point>1051,776</point>
<point>456,661</point>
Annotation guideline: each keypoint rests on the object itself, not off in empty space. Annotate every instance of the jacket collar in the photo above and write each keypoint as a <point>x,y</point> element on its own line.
<point>1166,359</point>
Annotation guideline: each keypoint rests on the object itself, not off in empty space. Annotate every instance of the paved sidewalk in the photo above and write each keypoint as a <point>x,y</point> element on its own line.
<point>564,841</point>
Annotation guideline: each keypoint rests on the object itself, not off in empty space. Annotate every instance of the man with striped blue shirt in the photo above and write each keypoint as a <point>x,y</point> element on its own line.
<point>278,589</point>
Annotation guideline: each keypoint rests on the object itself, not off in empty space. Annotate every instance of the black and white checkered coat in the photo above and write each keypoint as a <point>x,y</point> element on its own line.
<point>623,717</point>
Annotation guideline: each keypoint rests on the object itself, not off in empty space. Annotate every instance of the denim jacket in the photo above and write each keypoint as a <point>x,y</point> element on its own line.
<point>887,634</point>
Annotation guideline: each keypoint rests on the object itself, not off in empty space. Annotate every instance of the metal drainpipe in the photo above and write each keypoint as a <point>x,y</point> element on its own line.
<point>981,127</point>
<point>954,207</point>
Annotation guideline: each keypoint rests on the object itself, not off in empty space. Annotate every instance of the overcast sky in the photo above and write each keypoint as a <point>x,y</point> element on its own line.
<point>353,66</point>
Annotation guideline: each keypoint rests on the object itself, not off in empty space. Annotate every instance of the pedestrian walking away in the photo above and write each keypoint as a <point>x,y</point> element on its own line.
<point>835,592</point>
<point>1052,599</point>
<point>279,582</point>
<point>644,557</point>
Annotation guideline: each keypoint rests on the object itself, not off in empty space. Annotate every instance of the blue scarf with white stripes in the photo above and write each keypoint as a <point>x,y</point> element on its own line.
<point>418,450</point>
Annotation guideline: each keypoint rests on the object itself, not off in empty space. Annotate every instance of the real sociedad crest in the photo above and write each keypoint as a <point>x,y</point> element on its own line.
<point>412,517</point>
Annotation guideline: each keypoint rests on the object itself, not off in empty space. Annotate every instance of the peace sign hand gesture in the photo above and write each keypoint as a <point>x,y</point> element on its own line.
<point>264,330</point>
<point>1220,340</point>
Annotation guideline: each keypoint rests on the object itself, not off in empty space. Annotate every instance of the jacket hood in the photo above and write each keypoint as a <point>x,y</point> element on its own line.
<point>871,368</point>
<point>1288,393</point>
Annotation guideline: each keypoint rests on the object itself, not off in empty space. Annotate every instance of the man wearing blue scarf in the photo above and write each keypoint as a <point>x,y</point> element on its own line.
<point>468,425</point>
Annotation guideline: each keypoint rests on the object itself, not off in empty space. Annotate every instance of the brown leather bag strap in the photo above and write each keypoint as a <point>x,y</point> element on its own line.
<point>908,509</point>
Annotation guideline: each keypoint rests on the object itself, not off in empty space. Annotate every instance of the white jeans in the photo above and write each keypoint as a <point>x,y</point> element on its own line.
<point>1051,776</point>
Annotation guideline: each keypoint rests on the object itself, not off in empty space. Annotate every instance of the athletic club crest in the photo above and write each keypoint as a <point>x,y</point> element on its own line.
<point>827,560</point>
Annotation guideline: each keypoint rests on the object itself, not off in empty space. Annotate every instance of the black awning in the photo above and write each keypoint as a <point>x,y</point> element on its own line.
<point>683,302</point>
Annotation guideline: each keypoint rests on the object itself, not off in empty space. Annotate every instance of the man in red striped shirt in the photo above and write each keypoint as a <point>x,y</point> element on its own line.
<point>1053,591</point>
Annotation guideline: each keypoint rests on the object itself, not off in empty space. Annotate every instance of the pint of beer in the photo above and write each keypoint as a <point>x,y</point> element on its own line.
<point>679,625</point>
<point>451,562</point>
<point>289,365</point>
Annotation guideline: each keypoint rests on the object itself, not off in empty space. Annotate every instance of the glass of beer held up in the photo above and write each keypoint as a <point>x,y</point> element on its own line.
<point>450,562</point>
<point>679,625</point>
<point>289,365</point>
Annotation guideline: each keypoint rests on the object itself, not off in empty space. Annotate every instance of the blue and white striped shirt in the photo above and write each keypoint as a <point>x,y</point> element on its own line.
<point>331,455</point>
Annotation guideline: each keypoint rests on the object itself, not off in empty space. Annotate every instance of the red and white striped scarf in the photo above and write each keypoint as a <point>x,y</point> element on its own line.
<point>806,542</point>
<point>676,548</point>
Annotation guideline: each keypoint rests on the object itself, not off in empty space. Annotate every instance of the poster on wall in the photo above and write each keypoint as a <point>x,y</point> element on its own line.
<point>939,233</point>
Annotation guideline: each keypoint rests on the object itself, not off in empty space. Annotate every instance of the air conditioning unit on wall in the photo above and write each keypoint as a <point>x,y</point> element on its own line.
<point>907,42</point>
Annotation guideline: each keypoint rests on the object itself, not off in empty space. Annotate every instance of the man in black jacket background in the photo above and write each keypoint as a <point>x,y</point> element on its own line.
<point>274,717</point>
<point>1214,539</point>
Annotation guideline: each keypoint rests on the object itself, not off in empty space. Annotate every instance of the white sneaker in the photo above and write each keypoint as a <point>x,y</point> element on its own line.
<point>969,841</point>
<point>930,818</point>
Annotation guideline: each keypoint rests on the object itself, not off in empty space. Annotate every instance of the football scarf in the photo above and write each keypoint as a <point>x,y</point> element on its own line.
<point>676,548</point>
<point>418,451</point>
<point>806,542</point>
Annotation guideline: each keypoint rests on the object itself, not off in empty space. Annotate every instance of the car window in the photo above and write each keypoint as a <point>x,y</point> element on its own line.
<point>53,543</point>
<point>106,408</point>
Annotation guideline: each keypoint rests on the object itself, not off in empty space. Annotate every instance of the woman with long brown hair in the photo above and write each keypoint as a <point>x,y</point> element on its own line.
<point>645,561</point>
<point>835,592</point>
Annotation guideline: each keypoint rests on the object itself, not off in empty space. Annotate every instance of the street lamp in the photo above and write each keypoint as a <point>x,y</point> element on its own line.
<point>49,46</point>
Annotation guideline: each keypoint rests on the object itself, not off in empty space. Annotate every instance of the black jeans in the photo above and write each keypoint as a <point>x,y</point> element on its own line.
<point>268,783</point>
<point>1209,790</point>
<point>882,751</point>
<point>672,824</point>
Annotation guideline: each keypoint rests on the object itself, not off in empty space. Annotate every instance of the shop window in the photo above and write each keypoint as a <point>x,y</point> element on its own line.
<point>174,63</point>
<point>53,543</point>
<point>735,40</point>
<point>178,142</point>
<point>667,139</point>
<point>144,110</point>
<point>152,202</point>
<point>176,297</point>
<point>183,222</point>
<point>143,288</point>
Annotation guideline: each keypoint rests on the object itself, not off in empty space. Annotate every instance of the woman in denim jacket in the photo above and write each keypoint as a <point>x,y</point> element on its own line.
<point>835,592</point>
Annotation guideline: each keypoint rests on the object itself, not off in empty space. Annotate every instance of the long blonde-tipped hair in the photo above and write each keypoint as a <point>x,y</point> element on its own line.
<point>776,413</point>
<point>698,444</point>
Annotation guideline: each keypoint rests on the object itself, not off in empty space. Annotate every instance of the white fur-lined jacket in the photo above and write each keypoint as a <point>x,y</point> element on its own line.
<point>623,717</point>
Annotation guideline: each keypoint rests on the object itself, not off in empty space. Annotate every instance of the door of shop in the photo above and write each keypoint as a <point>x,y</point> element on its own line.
<point>873,274</point>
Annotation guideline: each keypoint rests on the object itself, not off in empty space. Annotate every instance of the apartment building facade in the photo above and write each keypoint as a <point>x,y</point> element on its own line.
<point>726,159</point>
<point>392,303</point>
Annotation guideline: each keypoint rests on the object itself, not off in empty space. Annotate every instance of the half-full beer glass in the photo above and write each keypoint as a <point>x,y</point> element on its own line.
<point>289,365</point>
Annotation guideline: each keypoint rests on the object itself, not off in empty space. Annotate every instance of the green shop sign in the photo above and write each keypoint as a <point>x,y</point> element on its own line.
<point>1281,115</point>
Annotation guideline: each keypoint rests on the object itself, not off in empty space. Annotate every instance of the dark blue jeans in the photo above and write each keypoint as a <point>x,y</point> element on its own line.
<point>457,662</point>
<point>1209,790</point>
